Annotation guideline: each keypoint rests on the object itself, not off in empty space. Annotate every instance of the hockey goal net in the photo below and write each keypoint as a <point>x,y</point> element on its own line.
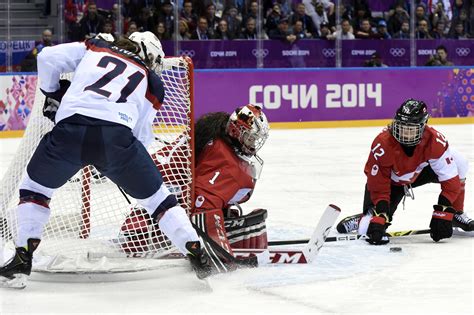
<point>91,218</point>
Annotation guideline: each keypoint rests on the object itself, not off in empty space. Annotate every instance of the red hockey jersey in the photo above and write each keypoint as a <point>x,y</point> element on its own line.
<point>389,164</point>
<point>221,178</point>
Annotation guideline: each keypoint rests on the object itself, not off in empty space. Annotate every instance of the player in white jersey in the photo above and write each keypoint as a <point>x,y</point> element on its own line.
<point>104,119</point>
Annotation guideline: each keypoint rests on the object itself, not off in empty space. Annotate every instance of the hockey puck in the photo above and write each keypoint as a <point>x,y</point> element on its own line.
<point>395,249</point>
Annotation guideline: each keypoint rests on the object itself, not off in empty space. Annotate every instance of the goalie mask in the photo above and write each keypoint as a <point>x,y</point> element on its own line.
<point>248,126</point>
<point>409,122</point>
<point>150,49</point>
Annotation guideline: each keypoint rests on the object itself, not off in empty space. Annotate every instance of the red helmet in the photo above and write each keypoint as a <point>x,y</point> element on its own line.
<point>248,125</point>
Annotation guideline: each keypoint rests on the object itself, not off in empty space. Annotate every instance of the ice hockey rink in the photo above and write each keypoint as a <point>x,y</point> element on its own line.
<point>305,170</point>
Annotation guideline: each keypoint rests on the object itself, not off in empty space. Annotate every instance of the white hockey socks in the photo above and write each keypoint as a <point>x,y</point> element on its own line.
<point>31,221</point>
<point>176,226</point>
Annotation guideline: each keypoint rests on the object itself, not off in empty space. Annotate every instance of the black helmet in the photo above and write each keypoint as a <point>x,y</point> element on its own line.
<point>409,122</point>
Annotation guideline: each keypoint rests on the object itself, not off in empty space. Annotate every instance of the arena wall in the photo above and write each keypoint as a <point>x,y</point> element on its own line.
<point>298,98</point>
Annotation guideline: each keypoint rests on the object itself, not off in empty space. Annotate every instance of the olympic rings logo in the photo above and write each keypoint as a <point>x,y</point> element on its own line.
<point>329,52</point>
<point>397,52</point>
<point>463,52</point>
<point>260,53</point>
<point>189,53</point>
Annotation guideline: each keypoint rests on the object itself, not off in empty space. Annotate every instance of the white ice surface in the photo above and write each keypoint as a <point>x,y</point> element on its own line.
<point>305,170</point>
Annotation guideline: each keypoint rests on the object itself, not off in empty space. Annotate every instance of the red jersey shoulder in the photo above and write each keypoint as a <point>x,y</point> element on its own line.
<point>434,143</point>
<point>385,138</point>
<point>217,151</point>
<point>384,147</point>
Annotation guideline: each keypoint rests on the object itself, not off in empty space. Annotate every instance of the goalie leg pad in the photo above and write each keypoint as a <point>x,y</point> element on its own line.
<point>211,222</point>
<point>248,231</point>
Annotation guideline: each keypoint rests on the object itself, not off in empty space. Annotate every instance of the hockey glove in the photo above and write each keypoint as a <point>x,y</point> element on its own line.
<point>441,224</point>
<point>53,100</point>
<point>376,230</point>
<point>50,108</point>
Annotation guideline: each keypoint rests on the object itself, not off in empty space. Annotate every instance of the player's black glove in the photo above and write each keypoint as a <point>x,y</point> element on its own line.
<point>50,108</point>
<point>378,224</point>
<point>376,230</point>
<point>441,224</point>
<point>53,100</point>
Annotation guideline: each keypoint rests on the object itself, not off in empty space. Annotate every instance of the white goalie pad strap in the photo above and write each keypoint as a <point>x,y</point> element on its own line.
<point>176,226</point>
<point>31,221</point>
<point>246,232</point>
<point>31,185</point>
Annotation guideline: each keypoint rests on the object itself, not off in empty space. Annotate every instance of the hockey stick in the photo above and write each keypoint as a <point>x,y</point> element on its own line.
<point>349,237</point>
<point>269,256</point>
<point>309,252</point>
<point>273,256</point>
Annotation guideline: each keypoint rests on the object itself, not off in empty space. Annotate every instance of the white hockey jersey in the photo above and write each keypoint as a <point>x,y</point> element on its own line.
<point>109,83</point>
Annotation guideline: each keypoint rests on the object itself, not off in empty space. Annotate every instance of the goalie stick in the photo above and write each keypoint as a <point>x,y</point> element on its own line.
<point>273,256</point>
<point>303,255</point>
<point>349,237</point>
<point>309,252</point>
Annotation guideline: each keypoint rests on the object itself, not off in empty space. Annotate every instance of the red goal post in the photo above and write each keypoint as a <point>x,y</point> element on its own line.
<point>89,212</point>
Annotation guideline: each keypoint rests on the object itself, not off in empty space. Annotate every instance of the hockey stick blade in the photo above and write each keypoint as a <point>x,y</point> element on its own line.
<point>349,237</point>
<point>272,256</point>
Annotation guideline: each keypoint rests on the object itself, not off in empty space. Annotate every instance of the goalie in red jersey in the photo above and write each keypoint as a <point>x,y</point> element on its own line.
<point>227,168</point>
<point>408,154</point>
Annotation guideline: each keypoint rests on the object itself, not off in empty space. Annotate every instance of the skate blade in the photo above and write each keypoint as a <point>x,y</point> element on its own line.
<point>19,282</point>
<point>461,232</point>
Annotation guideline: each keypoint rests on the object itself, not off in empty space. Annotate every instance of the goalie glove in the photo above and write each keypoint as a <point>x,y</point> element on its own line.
<point>53,100</point>
<point>441,224</point>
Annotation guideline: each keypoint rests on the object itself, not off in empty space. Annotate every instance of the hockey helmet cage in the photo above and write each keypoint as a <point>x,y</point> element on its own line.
<point>248,126</point>
<point>151,50</point>
<point>409,122</point>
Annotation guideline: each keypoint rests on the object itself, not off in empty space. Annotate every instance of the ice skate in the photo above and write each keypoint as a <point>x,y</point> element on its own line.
<point>199,260</point>
<point>463,222</point>
<point>349,224</point>
<point>15,272</point>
